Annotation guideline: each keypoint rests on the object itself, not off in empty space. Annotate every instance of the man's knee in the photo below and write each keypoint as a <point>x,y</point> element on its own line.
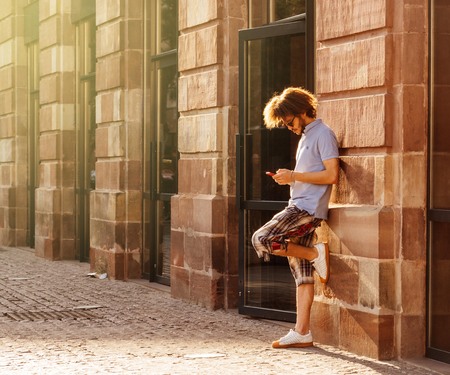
<point>255,239</point>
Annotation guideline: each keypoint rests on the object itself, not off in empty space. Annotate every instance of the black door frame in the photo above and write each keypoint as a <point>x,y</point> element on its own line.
<point>291,26</point>
<point>434,215</point>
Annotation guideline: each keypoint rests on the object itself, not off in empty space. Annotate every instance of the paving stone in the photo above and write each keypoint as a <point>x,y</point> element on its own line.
<point>133,328</point>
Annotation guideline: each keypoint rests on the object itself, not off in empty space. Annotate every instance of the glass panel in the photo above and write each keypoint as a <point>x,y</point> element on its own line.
<point>167,25</point>
<point>147,152</point>
<point>160,134</point>
<point>439,256</point>
<point>268,285</point>
<point>273,64</point>
<point>163,238</point>
<point>440,287</point>
<point>263,12</point>
<point>86,125</point>
<point>167,130</point>
<point>33,136</point>
<point>146,260</point>
<point>440,133</point>
<point>167,152</point>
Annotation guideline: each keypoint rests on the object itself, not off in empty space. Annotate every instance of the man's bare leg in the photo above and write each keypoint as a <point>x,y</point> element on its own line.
<point>299,251</point>
<point>305,297</point>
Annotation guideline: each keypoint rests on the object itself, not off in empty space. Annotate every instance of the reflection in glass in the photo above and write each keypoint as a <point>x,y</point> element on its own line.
<point>263,12</point>
<point>160,134</point>
<point>439,202</point>
<point>268,285</point>
<point>33,136</point>
<point>271,65</point>
<point>269,62</point>
<point>167,28</point>
<point>86,125</point>
<point>440,287</point>
<point>167,151</point>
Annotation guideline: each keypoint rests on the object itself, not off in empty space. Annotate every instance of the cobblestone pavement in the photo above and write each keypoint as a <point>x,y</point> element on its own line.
<point>54,319</point>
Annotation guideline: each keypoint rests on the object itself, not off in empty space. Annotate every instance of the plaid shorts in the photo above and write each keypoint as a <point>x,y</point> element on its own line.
<point>292,223</point>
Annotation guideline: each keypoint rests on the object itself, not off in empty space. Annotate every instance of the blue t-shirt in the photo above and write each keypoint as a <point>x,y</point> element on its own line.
<point>317,144</point>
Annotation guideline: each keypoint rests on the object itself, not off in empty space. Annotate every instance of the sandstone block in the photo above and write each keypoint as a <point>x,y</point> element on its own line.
<point>367,334</point>
<point>6,53</point>
<point>6,78</point>
<point>209,214</point>
<point>414,180</point>
<point>109,72</point>
<point>7,150</point>
<point>363,231</point>
<point>107,10</point>
<point>203,90</point>
<point>413,286</point>
<point>200,133</point>
<point>352,65</point>
<point>110,106</point>
<point>357,122</point>
<point>109,38</point>
<point>196,13</point>
<point>7,101</point>
<point>343,17</point>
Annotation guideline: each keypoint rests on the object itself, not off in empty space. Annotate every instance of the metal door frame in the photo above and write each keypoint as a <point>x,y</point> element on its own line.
<point>294,25</point>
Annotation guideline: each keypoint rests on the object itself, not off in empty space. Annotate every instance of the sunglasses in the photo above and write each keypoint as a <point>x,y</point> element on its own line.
<point>290,124</point>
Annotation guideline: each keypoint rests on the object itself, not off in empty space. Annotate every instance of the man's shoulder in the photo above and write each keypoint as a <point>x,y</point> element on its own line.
<point>322,127</point>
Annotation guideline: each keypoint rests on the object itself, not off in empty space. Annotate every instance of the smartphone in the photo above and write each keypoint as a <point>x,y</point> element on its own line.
<point>270,174</point>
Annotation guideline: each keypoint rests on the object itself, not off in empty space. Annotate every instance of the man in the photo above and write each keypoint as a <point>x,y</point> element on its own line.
<point>291,232</point>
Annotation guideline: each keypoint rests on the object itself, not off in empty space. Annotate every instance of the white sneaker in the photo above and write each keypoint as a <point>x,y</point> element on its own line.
<point>322,262</point>
<point>294,340</point>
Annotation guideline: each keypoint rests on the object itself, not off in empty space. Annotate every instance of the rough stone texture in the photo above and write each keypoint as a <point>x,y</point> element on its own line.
<point>116,205</point>
<point>371,77</point>
<point>13,117</point>
<point>350,17</point>
<point>204,221</point>
<point>57,134</point>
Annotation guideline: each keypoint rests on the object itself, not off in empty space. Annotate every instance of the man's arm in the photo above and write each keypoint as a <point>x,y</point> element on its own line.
<point>328,176</point>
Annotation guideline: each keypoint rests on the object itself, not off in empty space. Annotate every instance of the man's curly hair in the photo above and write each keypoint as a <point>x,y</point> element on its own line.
<point>292,101</point>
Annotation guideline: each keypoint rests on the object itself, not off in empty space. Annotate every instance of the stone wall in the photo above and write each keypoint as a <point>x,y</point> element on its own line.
<point>55,197</point>
<point>204,216</point>
<point>13,130</point>
<point>116,204</point>
<point>372,82</point>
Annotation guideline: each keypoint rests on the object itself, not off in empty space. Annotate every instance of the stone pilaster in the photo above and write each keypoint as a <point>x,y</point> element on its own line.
<point>371,79</point>
<point>116,204</point>
<point>55,196</point>
<point>13,120</point>
<point>204,225</point>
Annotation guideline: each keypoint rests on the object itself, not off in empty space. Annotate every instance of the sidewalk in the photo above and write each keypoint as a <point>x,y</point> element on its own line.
<point>56,320</point>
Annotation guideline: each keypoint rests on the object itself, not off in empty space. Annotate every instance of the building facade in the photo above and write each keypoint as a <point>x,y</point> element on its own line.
<point>131,137</point>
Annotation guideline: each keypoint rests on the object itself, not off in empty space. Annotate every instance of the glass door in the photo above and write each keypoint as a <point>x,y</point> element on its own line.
<point>271,58</point>
<point>85,132</point>
<point>438,345</point>
<point>160,135</point>
<point>33,136</point>
<point>31,38</point>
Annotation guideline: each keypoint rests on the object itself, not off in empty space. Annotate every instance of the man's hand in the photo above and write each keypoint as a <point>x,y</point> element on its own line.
<point>283,177</point>
<point>328,176</point>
